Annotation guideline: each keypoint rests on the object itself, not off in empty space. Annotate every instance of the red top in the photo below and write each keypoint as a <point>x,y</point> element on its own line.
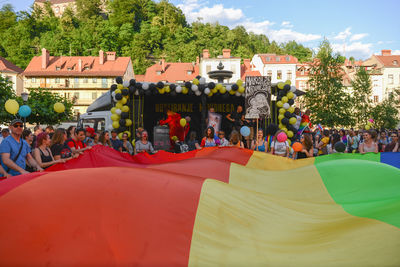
<point>76,144</point>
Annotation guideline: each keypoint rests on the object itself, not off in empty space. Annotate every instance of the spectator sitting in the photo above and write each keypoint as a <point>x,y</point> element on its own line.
<point>4,133</point>
<point>308,148</point>
<point>180,147</point>
<point>104,139</point>
<point>42,153</point>
<point>76,142</point>
<point>393,146</point>
<point>235,140</point>
<point>280,148</point>
<point>144,145</point>
<point>369,145</point>
<point>59,148</point>
<point>89,136</point>
<point>49,130</point>
<point>115,142</point>
<point>192,142</point>
<point>259,144</point>
<point>126,145</point>
<point>323,143</point>
<point>222,140</point>
<point>209,140</point>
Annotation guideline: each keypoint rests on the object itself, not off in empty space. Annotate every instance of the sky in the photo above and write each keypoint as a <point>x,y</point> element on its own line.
<point>357,28</point>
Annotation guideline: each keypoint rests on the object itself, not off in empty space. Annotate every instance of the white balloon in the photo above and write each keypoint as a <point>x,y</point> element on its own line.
<point>228,88</point>
<point>113,94</point>
<point>125,83</point>
<point>195,87</point>
<point>145,86</point>
<point>118,111</point>
<point>293,89</point>
<point>286,106</point>
<point>238,94</point>
<point>202,80</point>
<point>207,91</point>
<point>294,96</point>
<point>115,100</point>
<point>178,89</point>
<point>198,93</point>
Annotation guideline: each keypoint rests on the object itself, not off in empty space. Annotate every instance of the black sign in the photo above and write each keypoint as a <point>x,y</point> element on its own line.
<point>258,97</point>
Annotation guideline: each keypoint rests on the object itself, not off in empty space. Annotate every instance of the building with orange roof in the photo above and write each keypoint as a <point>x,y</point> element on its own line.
<point>230,63</point>
<point>13,73</point>
<point>247,69</point>
<point>278,67</point>
<point>83,79</point>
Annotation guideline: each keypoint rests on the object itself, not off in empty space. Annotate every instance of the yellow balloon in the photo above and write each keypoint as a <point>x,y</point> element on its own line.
<point>115,117</point>
<point>285,129</point>
<point>284,100</point>
<point>128,122</point>
<point>115,124</point>
<point>128,133</point>
<point>367,127</point>
<point>288,82</point>
<point>215,90</point>
<point>281,85</point>
<point>369,123</point>
<point>282,110</point>
<point>290,95</point>
<point>126,97</point>
<point>12,106</point>
<point>133,142</point>
<point>161,91</point>
<point>279,104</point>
<point>120,87</point>
<point>281,126</point>
<point>222,90</point>
<point>123,101</point>
<point>241,89</point>
<point>113,110</point>
<point>291,109</point>
<point>182,122</point>
<point>185,90</point>
<point>292,120</point>
<point>239,82</point>
<point>118,91</point>
<point>280,117</point>
<point>219,86</point>
<point>210,94</point>
<point>120,136</point>
<point>196,81</point>
<point>59,107</point>
<point>232,92</point>
<point>119,105</point>
<point>167,89</point>
<point>290,134</point>
<point>125,109</point>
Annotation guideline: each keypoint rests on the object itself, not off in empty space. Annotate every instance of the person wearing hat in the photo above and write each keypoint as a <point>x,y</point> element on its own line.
<point>15,151</point>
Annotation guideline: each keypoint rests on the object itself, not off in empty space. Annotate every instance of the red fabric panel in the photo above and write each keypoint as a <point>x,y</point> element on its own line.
<point>100,217</point>
<point>9,184</point>
<point>231,154</point>
<point>163,157</point>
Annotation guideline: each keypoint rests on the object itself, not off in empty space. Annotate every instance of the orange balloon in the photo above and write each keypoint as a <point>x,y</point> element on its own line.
<point>297,147</point>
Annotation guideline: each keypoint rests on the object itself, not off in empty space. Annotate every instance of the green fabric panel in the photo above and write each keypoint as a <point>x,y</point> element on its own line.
<point>364,188</point>
<point>335,156</point>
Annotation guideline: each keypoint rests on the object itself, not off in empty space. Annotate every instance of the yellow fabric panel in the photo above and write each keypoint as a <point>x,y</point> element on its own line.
<point>240,227</point>
<point>265,161</point>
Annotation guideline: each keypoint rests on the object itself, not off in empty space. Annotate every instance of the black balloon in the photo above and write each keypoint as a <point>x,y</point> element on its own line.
<point>119,80</point>
<point>118,96</point>
<point>124,115</point>
<point>132,82</point>
<point>188,85</point>
<point>125,92</point>
<point>282,93</point>
<point>211,85</point>
<point>172,86</point>
<point>287,114</point>
<point>235,87</point>
<point>160,85</point>
<point>132,89</point>
<point>286,87</point>
<point>201,87</point>
<point>292,128</point>
<point>152,86</point>
<point>122,122</point>
<point>138,86</point>
<point>147,92</point>
<point>291,102</point>
<point>278,98</point>
<point>285,121</point>
<point>340,147</point>
<point>113,87</point>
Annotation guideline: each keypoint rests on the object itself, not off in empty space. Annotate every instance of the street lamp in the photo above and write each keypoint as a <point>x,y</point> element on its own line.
<point>24,96</point>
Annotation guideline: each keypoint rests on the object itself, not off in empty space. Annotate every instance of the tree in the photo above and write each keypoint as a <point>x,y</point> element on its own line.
<point>329,102</point>
<point>386,113</point>
<point>302,53</point>
<point>361,100</point>
<point>42,101</point>
<point>6,93</point>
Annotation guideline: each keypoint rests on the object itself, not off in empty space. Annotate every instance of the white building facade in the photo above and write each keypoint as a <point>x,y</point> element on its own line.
<point>230,63</point>
<point>278,67</point>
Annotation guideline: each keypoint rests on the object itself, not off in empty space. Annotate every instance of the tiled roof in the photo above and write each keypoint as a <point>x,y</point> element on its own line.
<point>110,68</point>
<point>277,59</point>
<point>246,70</point>
<point>172,72</point>
<point>7,66</point>
<point>390,61</point>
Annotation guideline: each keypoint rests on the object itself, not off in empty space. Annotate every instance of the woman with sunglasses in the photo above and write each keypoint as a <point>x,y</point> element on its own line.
<point>393,146</point>
<point>368,145</point>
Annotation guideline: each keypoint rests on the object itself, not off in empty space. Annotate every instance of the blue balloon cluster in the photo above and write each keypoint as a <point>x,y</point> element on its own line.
<point>245,131</point>
<point>24,111</point>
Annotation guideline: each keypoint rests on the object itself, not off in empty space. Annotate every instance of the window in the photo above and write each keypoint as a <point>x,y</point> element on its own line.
<point>57,10</point>
<point>278,59</point>
<point>69,68</point>
<point>376,98</point>
<point>158,72</point>
<point>189,72</point>
<point>33,80</point>
<point>289,75</point>
<point>58,68</point>
<point>268,58</point>
<point>287,58</point>
<point>94,80</point>
<point>76,80</point>
<point>94,95</point>
<point>269,73</point>
<point>85,80</point>
<point>302,71</point>
<point>390,79</point>
<point>76,95</point>
<point>395,62</point>
<point>57,80</point>
<point>279,75</point>
<point>208,68</point>
<point>86,68</point>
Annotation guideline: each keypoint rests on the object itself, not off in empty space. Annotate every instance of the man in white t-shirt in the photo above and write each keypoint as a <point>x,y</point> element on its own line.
<point>280,148</point>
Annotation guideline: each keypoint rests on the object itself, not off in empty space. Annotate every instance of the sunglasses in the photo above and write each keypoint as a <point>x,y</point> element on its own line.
<point>18,125</point>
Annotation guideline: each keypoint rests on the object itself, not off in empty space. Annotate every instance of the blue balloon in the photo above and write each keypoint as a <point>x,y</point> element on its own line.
<point>24,111</point>
<point>245,131</point>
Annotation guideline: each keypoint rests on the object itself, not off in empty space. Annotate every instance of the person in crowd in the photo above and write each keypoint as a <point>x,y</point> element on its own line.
<point>126,145</point>
<point>222,140</point>
<point>259,144</point>
<point>36,131</point>
<point>49,130</point>
<point>298,118</point>
<point>269,135</point>
<point>192,142</point>
<point>369,145</point>
<point>180,146</point>
<point>105,140</point>
<point>343,136</point>
<point>251,123</point>
<point>144,145</point>
<point>308,148</point>
<point>280,148</point>
<point>334,139</point>
<point>89,136</point>
<point>393,146</point>
<point>4,133</point>
<point>70,131</point>
<point>59,148</point>
<point>139,131</point>
<point>96,139</point>
<point>76,142</point>
<point>116,143</point>
<point>42,153</point>
<point>323,143</point>
<point>383,141</point>
<point>374,135</point>
<point>27,136</point>
<point>236,118</point>
<point>234,140</point>
<point>209,139</point>
<point>305,118</point>
<point>15,151</point>
<point>352,142</point>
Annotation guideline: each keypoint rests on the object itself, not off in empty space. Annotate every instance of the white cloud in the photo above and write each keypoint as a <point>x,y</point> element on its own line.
<point>286,24</point>
<point>343,35</point>
<point>285,35</point>
<point>218,13</point>
<point>395,52</point>
<point>357,50</point>
<point>358,36</point>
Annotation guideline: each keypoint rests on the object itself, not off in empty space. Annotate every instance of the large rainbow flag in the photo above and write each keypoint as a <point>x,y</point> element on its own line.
<point>213,207</point>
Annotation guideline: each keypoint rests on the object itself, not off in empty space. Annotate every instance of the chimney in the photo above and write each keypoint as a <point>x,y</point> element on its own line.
<point>386,52</point>
<point>101,57</point>
<point>197,60</point>
<point>163,65</point>
<point>226,53</point>
<point>111,56</point>
<point>45,58</point>
<point>80,65</point>
<point>206,53</point>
